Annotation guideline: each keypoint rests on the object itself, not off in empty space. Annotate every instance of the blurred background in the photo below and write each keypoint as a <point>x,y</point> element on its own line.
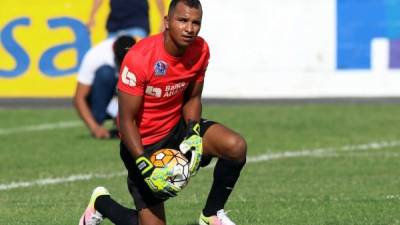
<point>265,49</point>
<point>43,43</point>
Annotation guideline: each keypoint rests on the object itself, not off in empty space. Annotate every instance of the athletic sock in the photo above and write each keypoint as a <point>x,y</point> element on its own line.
<point>115,212</point>
<point>226,173</point>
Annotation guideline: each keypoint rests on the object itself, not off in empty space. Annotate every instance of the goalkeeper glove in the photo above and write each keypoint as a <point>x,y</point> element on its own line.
<point>193,143</point>
<point>157,178</point>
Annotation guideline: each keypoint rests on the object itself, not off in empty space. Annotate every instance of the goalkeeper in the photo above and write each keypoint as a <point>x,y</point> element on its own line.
<point>160,87</point>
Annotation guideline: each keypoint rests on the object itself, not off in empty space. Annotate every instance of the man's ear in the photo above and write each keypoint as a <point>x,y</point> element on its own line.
<point>166,19</point>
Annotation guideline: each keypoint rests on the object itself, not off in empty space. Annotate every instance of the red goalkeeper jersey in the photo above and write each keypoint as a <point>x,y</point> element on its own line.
<point>149,71</point>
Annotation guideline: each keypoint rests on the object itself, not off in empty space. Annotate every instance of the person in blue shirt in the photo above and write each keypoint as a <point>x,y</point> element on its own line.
<point>129,17</point>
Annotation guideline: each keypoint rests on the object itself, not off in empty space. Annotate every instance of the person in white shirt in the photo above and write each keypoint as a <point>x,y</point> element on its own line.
<point>94,97</point>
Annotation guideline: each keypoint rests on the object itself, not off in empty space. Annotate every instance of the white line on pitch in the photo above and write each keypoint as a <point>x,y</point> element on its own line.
<point>39,127</point>
<point>49,181</point>
<point>322,152</point>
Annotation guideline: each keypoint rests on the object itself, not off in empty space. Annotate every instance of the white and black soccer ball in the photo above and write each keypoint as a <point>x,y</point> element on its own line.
<point>174,160</point>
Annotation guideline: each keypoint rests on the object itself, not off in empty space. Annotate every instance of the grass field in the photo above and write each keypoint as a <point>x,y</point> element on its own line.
<point>307,164</point>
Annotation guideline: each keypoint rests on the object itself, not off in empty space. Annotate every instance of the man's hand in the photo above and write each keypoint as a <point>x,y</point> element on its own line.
<point>100,132</point>
<point>193,142</point>
<point>157,178</point>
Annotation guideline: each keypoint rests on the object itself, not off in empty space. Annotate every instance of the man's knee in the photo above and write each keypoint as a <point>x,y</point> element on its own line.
<point>237,148</point>
<point>105,74</point>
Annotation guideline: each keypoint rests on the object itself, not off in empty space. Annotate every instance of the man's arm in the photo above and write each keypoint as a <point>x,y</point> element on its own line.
<point>192,115</point>
<point>81,105</point>
<point>129,107</point>
<point>156,178</point>
<point>192,107</point>
<point>95,7</point>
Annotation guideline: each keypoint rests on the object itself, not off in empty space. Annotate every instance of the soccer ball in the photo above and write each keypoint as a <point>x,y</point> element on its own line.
<point>177,163</point>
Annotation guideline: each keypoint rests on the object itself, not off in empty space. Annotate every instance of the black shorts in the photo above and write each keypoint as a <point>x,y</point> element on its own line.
<point>141,193</point>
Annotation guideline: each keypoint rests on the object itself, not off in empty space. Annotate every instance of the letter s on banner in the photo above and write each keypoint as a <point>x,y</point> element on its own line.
<point>18,53</point>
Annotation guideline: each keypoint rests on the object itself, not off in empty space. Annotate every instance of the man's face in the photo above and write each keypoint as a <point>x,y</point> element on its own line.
<point>184,24</point>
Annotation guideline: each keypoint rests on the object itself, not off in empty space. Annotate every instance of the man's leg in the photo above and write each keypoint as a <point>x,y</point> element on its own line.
<point>115,212</point>
<point>231,149</point>
<point>101,205</point>
<point>120,215</point>
<point>103,89</point>
<point>154,215</point>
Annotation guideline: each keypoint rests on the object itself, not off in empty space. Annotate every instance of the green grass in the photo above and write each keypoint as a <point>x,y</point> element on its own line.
<point>336,187</point>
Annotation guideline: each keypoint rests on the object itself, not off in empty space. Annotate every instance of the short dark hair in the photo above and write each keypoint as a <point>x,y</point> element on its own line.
<point>191,3</point>
<point>121,46</point>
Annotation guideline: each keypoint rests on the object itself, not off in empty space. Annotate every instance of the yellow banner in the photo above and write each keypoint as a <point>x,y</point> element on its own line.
<point>43,42</point>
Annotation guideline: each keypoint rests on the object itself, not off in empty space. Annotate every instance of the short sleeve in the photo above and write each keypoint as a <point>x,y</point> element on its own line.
<point>132,77</point>
<point>87,69</point>
<point>96,57</point>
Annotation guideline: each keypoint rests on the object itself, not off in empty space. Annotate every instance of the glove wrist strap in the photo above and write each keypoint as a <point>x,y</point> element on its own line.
<point>144,165</point>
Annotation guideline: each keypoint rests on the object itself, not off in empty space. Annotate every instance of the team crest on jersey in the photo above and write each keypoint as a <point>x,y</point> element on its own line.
<point>160,68</point>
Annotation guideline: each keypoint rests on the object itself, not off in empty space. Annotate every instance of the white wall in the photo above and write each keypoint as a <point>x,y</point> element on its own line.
<point>282,49</point>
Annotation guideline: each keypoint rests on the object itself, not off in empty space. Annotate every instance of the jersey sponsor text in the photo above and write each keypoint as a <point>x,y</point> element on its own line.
<point>171,90</point>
